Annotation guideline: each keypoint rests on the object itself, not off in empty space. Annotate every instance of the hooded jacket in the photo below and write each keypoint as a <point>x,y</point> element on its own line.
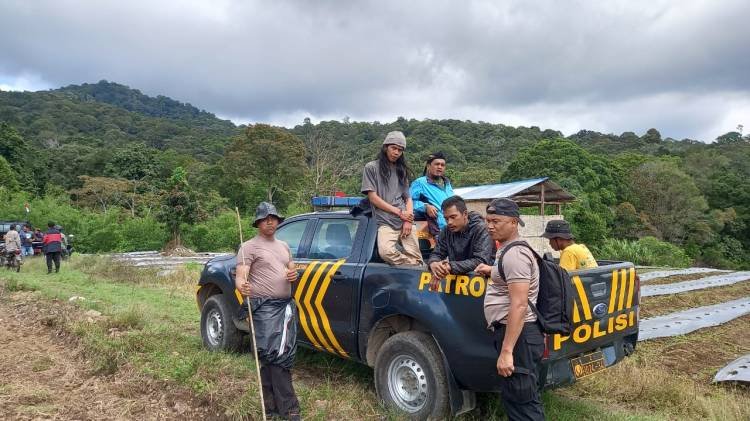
<point>466,249</point>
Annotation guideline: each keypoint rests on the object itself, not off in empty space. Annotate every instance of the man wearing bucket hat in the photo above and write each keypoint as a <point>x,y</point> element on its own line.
<point>385,181</point>
<point>573,256</point>
<point>518,338</point>
<point>265,273</point>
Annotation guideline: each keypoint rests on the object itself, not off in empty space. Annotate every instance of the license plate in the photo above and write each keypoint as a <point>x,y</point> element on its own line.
<point>588,364</point>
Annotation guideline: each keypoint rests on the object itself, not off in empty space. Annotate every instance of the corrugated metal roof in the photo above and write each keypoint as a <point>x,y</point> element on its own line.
<point>522,191</point>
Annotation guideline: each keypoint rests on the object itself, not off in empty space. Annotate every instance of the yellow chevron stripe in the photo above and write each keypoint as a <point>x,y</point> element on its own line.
<point>576,314</point>
<point>300,309</point>
<point>631,283</point>
<point>321,311</point>
<point>623,287</point>
<point>308,306</point>
<point>613,292</point>
<point>238,295</point>
<point>583,297</point>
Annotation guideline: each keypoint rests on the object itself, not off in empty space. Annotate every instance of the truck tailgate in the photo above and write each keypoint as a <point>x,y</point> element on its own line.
<point>605,311</point>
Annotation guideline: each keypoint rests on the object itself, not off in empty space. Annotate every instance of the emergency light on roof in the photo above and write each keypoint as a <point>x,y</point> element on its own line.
<point>335,202</point>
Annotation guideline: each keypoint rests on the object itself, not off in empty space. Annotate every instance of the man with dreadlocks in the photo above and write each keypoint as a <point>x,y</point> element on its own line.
<point>385,181</point>
<point>429,191</point>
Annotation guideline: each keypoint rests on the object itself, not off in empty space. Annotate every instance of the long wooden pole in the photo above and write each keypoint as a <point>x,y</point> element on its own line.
<point>250,322</point>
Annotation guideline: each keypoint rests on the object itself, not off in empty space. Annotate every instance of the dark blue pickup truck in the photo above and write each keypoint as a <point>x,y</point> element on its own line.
<point>431,350</point>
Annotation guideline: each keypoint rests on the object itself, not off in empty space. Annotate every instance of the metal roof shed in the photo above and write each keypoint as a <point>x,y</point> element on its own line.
<point>532,192</point>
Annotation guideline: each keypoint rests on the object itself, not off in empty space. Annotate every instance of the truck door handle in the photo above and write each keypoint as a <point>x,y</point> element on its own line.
<point>338,276</point>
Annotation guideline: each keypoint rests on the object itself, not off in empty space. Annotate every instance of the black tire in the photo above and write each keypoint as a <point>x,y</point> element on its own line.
<point>217,326</point>
<point>410,377</point>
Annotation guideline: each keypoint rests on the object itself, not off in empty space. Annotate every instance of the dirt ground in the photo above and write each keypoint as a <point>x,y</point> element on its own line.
<point>43,374</point>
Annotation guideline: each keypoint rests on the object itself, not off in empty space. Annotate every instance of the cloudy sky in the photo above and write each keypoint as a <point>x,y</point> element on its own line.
<point>612,66</point>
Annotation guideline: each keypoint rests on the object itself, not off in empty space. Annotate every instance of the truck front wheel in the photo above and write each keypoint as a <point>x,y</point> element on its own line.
<point>410,377</point>
<point>217,327</point>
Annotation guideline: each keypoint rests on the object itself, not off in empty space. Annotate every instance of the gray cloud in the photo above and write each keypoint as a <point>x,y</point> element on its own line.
<point>611,66</point>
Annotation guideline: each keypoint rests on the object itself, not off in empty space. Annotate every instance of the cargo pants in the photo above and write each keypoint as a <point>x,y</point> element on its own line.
<point>520,393</point>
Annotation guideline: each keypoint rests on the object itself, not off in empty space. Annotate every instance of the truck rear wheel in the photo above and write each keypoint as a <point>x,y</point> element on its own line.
<point>410,377</point>
<point>217,327</point>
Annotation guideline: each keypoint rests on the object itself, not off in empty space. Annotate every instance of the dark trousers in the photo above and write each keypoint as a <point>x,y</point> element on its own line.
<point>53,257</point>
<point>278,392</point>
<point>520,392</point>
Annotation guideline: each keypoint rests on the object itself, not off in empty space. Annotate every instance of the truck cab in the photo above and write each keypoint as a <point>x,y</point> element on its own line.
<point>430,350</point>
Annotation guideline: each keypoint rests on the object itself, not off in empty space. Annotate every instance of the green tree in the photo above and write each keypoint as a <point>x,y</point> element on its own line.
<point>7,176</point>
<point>595,181</point>
<point>669,197</point>
<point>652,136</point>
<point>179,206</point>
<point>134,162</point>
<point>270,159</point>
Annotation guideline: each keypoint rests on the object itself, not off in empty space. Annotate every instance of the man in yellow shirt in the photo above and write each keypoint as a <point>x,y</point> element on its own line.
<point>572,256</point>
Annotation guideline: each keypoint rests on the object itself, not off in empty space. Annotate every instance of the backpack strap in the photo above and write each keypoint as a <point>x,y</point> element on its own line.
<point>502,272</point>
<point>507,248</point>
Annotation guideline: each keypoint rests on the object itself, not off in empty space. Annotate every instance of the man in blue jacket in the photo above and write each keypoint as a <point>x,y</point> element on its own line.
<point>429,191</point>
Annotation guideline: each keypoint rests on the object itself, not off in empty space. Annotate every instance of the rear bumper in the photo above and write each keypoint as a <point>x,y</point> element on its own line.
<point>560,371</point>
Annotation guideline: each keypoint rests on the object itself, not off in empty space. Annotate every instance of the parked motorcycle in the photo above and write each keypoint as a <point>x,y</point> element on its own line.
<point>10,259</point>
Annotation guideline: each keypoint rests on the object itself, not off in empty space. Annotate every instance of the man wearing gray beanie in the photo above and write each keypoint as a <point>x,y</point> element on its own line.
<point>385,181</point>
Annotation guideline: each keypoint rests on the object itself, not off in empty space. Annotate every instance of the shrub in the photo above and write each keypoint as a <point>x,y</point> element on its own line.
<point>217,234</point>
<point>647,251</point>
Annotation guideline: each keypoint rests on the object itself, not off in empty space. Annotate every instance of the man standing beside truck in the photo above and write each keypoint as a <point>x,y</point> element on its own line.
<point>462,245</point>
<point>572,256</point>
<point>385,181</point>
<point>265,273</point>
<point>518,337</point>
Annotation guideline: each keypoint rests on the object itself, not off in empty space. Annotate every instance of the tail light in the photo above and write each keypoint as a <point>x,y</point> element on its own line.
<point>545,354</point>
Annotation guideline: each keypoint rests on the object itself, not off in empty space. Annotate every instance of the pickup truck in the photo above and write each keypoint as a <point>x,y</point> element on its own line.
<point>430,350</point>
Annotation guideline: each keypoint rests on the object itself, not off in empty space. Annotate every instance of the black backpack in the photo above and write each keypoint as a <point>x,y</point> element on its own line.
<point>554,305</point>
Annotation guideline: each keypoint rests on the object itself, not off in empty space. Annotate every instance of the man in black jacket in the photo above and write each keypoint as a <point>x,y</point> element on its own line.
<point>462,245</point>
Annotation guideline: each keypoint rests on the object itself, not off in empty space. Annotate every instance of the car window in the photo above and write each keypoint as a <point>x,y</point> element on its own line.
<point>333,239</point>
<point>291,234</point>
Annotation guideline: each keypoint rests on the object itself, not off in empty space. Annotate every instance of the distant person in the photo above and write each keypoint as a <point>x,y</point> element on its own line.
<point>573,256</point>
<point>38,235</point>
<point>462,245</point>
<point>27,239</point>
<point>385,181</point>
<point>12,240</point>
<point>265,274</point>
<point>52,247</point>
<point>429,191</point>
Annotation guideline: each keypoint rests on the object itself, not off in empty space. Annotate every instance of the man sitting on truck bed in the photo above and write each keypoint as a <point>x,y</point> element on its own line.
<point>385,181</point>
<point>573,256</point>
<point>462,245</point>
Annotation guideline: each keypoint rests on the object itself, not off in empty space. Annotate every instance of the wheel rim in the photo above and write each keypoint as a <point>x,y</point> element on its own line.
<point>214,327</point>
<point>407,383</point>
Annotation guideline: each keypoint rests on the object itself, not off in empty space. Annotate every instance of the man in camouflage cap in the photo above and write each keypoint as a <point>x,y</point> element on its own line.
<point>265,273</point>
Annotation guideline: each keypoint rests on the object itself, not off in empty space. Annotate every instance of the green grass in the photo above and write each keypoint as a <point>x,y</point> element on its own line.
<point>152,324</point>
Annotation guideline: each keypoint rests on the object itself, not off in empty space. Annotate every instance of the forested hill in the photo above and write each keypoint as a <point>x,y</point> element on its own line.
<point>108,151</point>
<point>135,101</point>
<point>112,115</point>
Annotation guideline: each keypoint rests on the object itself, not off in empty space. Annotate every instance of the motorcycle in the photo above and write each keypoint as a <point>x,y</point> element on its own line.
<point>10,259</point>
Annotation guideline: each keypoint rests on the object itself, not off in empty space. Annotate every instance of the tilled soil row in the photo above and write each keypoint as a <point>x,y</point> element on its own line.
<point>44,373</point>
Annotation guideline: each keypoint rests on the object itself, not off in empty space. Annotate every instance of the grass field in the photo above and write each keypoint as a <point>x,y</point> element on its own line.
<point>151,324</point>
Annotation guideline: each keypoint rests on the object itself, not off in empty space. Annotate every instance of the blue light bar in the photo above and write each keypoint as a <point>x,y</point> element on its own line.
<point>335,202</point>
